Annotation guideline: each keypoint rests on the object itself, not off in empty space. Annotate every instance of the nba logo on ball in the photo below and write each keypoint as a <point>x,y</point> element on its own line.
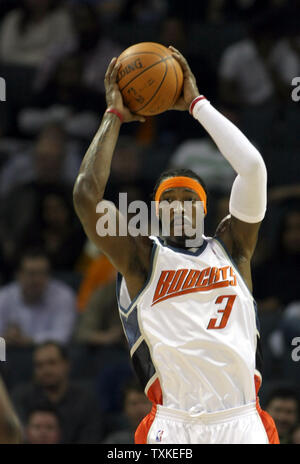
<point>159,436</point>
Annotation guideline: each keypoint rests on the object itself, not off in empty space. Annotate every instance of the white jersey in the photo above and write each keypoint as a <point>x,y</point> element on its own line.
<point>192,330</point>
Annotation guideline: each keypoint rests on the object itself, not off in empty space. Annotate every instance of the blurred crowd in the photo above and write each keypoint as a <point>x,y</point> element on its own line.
<point>67,373</point>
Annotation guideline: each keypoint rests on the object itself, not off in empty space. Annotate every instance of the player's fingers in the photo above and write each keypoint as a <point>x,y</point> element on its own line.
<point>177,52</point>
<point>174,49</point>
<point>136,117</point>
<point>115,71</point>
<point>179,58</point>
<point>109,69</point>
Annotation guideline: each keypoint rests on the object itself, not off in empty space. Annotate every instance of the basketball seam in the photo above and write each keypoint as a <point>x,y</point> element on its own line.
<point>160,48</point>
<point>139,53</point>
<point>149,67</point>
<point>155,93</point>
<point>176,83</point>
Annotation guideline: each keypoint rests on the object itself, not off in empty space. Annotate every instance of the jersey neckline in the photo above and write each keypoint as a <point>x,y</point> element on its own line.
<point>184,250</point>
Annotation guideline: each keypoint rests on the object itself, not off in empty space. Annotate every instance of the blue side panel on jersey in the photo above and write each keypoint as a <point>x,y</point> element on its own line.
<point>141,358</point>
<point>142,363</point>
<point>259,353</point>
<point>131,326</point>
<point>256,316</point>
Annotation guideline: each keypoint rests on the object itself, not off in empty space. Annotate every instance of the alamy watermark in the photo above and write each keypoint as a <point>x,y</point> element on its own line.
<point>296,91</point>
<point>296,350</point>
<point>2,349</point>
<point>176,218</point>
<point>2,89</point>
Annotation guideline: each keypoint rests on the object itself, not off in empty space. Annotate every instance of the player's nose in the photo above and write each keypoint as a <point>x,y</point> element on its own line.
<point>178,207</point>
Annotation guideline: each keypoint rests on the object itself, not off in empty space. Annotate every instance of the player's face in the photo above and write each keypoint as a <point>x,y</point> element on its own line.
<point>181,209</point>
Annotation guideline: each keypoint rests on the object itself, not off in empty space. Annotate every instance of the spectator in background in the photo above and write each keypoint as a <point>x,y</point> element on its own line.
<point>277,280</point>
<point>295,440</point>
<point>128,174</point>
<point>99,339</point>
<point>6,6</point>
<point>43,426</point>
<point>189,12</point>
<point>57,232</point>
<point>109,11</point>
<point>100,323</point>
<point>88,44</point>
<point>75,405</point>
<point>30,30</point>
<point>204,158</point>
<point>51,155</point>
<point>144,11</point>
<point>96,271</point>
<point>222,11</point>
<point>22,206</point>
<point>258,69</point>
<point>284,341</point>
<point>35,307</point>
<point>135,407</point>
<point>67,99</point>
<point>283,405</point>
<point>10,427</point>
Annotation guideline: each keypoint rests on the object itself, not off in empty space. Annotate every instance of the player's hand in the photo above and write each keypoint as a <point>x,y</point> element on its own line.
<point>190,90</point>
<point>113,95</point>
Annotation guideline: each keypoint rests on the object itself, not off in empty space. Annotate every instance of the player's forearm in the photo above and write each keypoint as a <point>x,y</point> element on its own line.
<point>232,143</point>
<point>95,167</point>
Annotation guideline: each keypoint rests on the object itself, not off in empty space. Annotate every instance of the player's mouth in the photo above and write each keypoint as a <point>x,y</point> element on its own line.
<point>181,224</point>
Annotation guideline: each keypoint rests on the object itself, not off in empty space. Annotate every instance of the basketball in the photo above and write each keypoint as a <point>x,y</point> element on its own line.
<point>149,78</point>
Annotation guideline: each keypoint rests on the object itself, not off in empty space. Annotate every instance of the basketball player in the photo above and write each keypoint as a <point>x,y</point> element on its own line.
<point>188,314</point>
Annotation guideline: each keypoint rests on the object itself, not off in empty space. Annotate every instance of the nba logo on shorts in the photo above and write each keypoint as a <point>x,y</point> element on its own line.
<point>159,436</point>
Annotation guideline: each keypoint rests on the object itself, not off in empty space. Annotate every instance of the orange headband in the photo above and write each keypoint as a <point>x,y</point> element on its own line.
<point>181,181</point>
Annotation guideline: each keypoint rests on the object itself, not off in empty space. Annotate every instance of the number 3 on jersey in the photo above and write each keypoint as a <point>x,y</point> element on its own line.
<point>224,311</point>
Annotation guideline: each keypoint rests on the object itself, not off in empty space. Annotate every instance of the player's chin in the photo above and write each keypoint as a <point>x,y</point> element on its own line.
<point>178,240</point>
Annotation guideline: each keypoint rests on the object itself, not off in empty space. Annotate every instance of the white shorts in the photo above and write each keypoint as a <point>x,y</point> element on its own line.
<point>240,425</point>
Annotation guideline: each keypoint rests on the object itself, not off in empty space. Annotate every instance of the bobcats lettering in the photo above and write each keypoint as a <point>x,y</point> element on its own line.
<point>173,283</point>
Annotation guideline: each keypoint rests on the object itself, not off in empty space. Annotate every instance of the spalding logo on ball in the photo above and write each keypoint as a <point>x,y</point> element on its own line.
<point>150,79</point>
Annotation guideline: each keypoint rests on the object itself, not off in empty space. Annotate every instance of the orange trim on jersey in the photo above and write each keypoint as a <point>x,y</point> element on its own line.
<point>141,433</point>
<point>154,394</point>
<point>181,181</point>
<point>266,419</point>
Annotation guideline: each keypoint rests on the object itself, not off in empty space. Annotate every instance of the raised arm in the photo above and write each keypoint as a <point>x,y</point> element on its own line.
<point>248,197</point>
<point>249,191</point>
<point>10,426</point>
<point>94,172</point>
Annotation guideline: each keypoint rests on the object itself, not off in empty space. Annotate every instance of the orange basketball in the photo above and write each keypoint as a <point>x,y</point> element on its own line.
<point>150,79</point>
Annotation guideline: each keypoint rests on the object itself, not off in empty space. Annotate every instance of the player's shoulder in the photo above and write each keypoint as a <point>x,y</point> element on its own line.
<point>140,258</point>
